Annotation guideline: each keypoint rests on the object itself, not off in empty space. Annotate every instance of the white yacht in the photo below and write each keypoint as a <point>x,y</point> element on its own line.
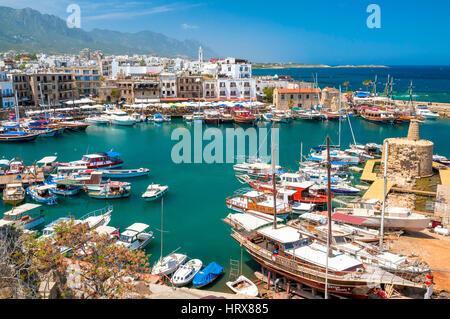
<point>120,117</point>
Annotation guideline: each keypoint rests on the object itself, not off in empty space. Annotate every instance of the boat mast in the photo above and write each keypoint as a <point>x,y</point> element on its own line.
<point>273,179</point>
<point>329,215</point>
<point>17,111</point>
<point>162,226</point>
<point>384,194</point>
<point>301,152</point>
<point>340,93</point>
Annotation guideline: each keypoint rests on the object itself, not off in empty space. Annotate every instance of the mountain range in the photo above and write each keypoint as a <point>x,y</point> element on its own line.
<point>34,32</point>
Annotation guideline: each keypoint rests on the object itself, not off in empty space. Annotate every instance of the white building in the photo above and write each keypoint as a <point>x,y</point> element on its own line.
<point>133,70</point>
<point>235,68</point>
<point>237,88</point>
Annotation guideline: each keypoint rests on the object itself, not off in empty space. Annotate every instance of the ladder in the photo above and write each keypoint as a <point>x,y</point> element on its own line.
<point>234,269</point>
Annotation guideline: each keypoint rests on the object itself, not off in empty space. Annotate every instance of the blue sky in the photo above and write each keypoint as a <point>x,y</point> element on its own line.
<point>319,31</point>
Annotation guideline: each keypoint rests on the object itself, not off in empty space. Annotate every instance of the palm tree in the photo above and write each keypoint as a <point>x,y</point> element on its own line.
<point>367,83</point>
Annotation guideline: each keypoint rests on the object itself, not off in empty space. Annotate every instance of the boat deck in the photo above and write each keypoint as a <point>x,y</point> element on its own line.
<point>368,175</point>
<point>376,189</point>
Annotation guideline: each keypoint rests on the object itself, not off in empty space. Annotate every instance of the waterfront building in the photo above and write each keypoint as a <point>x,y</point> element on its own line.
<point>55,87</point>
<point>189,86</point>
<point>168,85</point>
<point>209,88</point>
<point>285,99</point>
<point>235,68</point>
<point>129,68</point>
<point>7,98</point>
<point>87,78</point>
<point>236,88</point>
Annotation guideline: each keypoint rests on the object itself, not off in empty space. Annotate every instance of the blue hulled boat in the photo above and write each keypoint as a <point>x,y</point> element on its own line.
<point>42,194</point>
<point>208,275</point>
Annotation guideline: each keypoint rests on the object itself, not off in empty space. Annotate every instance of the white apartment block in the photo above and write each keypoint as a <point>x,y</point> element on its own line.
<point>237,88</point>
<point>168,85</point>
<point>235,68</point>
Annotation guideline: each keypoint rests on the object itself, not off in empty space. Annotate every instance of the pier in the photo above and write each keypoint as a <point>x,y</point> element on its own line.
<point>376,189</point>
<point>25,179</point>
<point>368,175</point>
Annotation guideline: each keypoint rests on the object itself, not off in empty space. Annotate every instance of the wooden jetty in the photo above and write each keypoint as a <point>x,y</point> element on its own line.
<point>25,179</point>
<point>368,175</point>
<point>444,174</point>
<point>376,189</point>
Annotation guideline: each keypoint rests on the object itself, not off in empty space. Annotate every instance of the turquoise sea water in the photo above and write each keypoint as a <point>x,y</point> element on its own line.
<point>195,203</point>
<point>430,83</point>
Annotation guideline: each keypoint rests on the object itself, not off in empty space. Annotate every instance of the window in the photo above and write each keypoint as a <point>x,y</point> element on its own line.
<point>282,96</point>
<point>292,96</point>
<point>307,96</point>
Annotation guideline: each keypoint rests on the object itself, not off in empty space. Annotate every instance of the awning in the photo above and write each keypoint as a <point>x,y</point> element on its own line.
<point>347,219</point>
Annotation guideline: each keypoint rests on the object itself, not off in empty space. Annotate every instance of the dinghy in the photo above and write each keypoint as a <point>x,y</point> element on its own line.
<point>243,286</point>
<point>186,272</point>
<point>124,173</point>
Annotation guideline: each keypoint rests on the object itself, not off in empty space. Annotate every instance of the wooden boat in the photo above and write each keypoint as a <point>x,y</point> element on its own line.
<point>186,272</point>
<point>124,173</point>
<point>243,116</point>
<point>207,275</point>
<point>243,286</point>
<point>42,194</point>
<point>212,117</point>
<point>226,117</point>
<point>155,191</point>
<point>169,264</point>
<point>257,202</point>
<point>16,136</point>
<point>136,236</point>
<point>111,190</point>
<point>20,217</point>
<point>75,126</point>
<point>288,252</point>
<point>13,194</point>
<point>377,116</point>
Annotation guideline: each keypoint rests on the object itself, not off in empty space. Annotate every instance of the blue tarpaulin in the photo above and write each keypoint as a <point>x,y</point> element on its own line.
<point>113,154</point>
<point>207,275</point>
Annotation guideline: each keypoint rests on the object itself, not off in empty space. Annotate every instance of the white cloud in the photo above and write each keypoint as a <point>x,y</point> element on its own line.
<point>187,26</point>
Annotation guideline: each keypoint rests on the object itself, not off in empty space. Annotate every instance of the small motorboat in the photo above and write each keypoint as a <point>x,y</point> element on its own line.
<point>13,194</point>
<point>97,120</point>
<point>169,264</point>
<point>111,190</point>
<point>167,118</point>
<point>158,118</point>
<point>243,286</point>
<point>124,173</point>
<point>207,275</point>
<point>136,236</point>
<point>42,194</point>
<point>155,191</point>
<point>185,273</point>
<point>301,208</point>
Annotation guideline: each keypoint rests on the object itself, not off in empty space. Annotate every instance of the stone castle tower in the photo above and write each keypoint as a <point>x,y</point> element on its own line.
<point>409,158</point>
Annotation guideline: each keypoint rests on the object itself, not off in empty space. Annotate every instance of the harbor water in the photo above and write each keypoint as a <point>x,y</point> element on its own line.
<point>195,203</point>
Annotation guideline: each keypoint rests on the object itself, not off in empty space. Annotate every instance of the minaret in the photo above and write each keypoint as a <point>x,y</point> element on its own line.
<point>200,56</point>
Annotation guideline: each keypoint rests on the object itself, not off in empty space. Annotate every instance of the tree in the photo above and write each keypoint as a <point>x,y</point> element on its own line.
<point>367,83</point>
<point>268,92</point>
<point>115,93</point>
<point>94,266</point>
<point>18,272</point>
<point>142,63</point>
<point>346,84</point>
<point>291,103</point>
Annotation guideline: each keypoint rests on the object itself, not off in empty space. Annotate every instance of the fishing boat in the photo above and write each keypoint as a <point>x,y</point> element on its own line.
<point>441,159</point>
<point>64,187</point>
<point>226,117</point>
<point>268,117</point>
<point>212,117</point>
<point>243,116</point>
<point>98,161</point>
<point>20,217</point>
<point>169,264</point>
<point>155,191</point>
<point>186,272</point>
<point>207,275</point>
<point>13,194</point>
<point>75,126</point>
<point>331,116</point>
<point>125,173</point>
<point>136,236</point>
<point>167,118</point>
<point>111,190</point>
<point>243,286</point>
<point>17,136</point>
<point>42,194</point>
<point>255,168</point>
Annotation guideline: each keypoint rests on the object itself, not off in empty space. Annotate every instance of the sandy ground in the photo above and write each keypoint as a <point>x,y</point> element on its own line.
<point>165,292</point>
<point>432,248</point>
